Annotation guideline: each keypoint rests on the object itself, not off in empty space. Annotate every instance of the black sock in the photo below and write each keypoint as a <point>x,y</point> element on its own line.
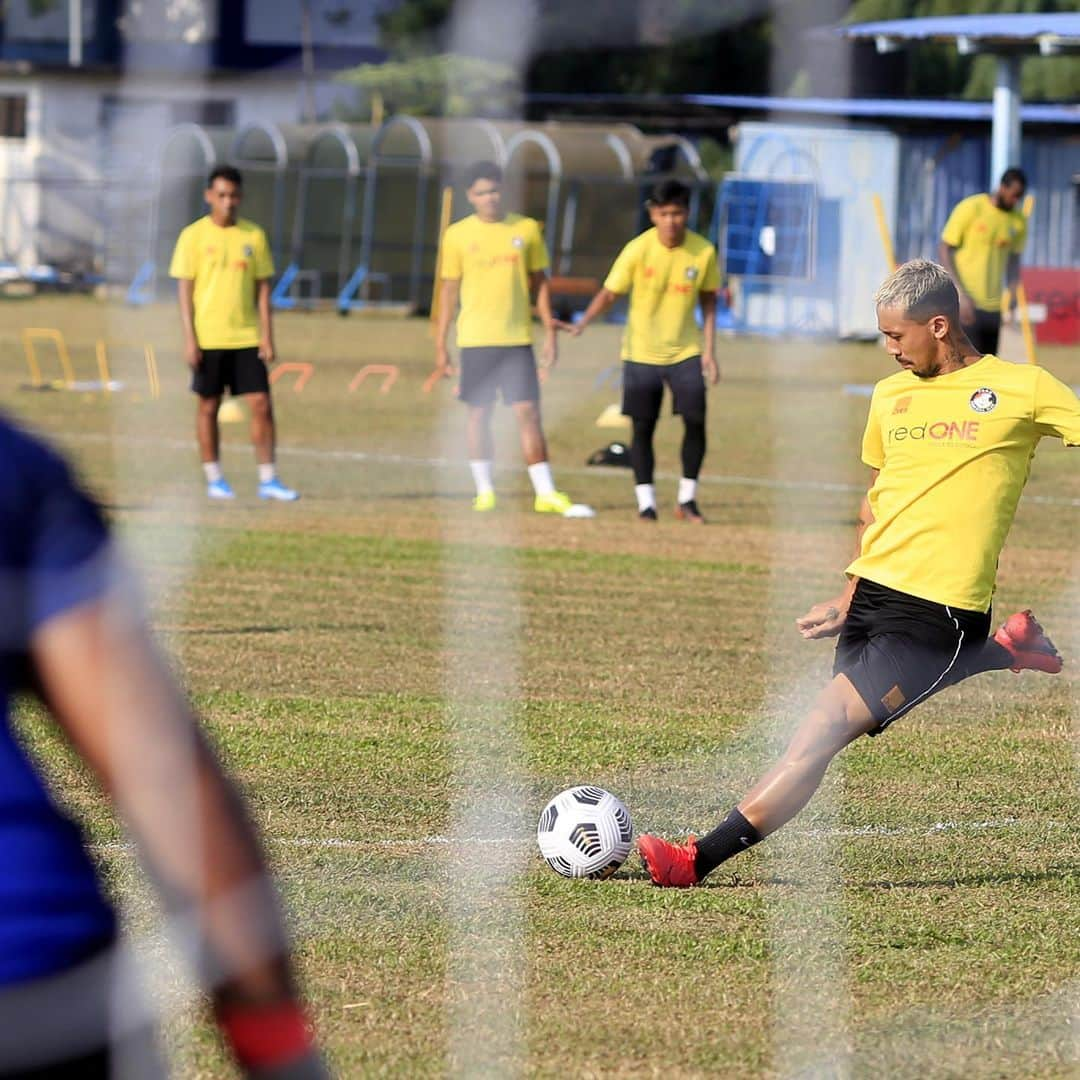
<point>732,835</point>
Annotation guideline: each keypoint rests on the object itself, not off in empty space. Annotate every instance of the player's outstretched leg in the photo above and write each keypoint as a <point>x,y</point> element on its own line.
<point>838,717</point>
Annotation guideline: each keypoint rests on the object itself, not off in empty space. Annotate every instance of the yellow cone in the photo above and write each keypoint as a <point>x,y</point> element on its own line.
<point>612,417</point>
<point>230,412</point>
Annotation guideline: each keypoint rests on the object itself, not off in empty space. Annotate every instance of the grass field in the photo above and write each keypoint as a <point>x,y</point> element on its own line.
<point>394,681</point>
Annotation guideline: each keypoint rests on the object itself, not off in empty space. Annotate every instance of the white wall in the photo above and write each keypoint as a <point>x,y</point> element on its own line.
<point>850,165</point>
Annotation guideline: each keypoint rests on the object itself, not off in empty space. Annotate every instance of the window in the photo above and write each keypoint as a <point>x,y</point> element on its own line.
<point>13,116</point>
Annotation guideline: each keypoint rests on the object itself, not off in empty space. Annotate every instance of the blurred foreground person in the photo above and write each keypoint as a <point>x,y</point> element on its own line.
<point>949,442</point>
<point>69,1006</point>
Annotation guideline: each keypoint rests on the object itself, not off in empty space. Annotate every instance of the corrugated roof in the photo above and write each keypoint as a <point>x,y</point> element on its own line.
<point>887,107</point>
<point>870,108</point>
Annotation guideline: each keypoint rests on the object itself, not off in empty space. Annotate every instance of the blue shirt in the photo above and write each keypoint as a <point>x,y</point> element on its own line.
<point>53,557</point>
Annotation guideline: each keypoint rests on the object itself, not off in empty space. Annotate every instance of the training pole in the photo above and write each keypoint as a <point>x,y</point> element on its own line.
<point>883,231</point>
<point>444,223</point>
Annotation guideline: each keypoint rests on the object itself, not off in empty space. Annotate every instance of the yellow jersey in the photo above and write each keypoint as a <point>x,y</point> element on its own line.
<point>664,284</point>
<point>984,237</point>
<point>493,260</point>
<point>225,263</point>
<point>954,453</point>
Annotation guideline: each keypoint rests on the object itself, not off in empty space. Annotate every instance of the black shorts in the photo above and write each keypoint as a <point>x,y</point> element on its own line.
<point>897,650</point>
<point>508,369</point>
<point>985,331</point>
<point>643,389</point>
<point>239,370</point>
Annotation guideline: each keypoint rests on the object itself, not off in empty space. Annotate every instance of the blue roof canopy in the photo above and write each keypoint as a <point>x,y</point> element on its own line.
<point>1046,33</point>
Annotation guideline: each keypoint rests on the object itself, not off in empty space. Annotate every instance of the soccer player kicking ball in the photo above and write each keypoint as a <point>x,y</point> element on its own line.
<point>953,428</point>
<point>223,266</point>
<point>493,262</point>
<point>72,635</point>
<point>667,270</point>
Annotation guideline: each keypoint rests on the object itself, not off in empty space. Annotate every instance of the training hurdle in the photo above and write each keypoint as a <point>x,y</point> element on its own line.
<point>303,370</point>
<point>389,372</point>
<point>149,358</point>
<point>33,334</point>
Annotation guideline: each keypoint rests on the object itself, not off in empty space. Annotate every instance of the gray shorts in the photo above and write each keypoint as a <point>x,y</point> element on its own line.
<point>507,369</point>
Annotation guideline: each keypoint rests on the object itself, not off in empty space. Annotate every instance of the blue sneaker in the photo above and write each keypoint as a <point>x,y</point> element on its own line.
<point>275,489</point>
<point>219,489</point>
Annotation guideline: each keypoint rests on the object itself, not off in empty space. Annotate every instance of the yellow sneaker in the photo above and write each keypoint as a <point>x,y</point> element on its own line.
<point>558,502</point>
<point>484,502</point>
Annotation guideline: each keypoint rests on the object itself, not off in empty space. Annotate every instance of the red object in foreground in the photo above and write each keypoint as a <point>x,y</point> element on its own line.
<point>1058,290</point>
<point>266,1036</point>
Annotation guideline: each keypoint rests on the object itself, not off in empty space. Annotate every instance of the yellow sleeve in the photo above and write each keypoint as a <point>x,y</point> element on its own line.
<point>1021,237</point>
<point>183,258</point>
<point>710,281</point>
<point>450,267</point>
<point>536,256</point>
<point>1056,409</point>
<point>959,220</point>
<point>264,261</point>
<point>873,450</point>
<point>621,275</point>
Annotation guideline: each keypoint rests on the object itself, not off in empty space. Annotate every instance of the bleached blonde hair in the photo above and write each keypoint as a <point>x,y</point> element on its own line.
<point>920,289</point>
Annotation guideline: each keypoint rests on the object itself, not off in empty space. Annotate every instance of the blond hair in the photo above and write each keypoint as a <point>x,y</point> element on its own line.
<point>920,289</point>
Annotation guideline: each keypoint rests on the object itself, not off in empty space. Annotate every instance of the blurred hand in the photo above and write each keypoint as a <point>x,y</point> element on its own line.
<point>825,619</point>
<point>967,309</point>
<point>573,329</point>
<point>710,369</point>
<point>549,351</point>
<point>193,356</point>
<point>443,367</point>
<point>266,351</point>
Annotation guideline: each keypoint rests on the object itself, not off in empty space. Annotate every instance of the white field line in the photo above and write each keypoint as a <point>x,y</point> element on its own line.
<point>326,842</point>
<point>366,457</point>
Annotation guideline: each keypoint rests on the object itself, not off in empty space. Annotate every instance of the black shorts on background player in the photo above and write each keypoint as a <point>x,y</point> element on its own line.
<point>509,370</point>
<point>643,389</point>
<point>985,331</point>
<point>240,371</point>
<point>897,650</point>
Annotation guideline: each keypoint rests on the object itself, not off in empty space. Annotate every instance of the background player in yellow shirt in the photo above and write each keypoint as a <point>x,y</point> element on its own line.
<point>223,266</point>
<point>981,246</point>
<point>667,270</point>
<point>953,429</point>
<point>493,262</point>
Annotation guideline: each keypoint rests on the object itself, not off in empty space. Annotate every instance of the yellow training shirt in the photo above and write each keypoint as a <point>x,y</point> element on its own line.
<point>493,260</point>
<point>663,284</point>
<point>984,238</point>
<point>225,264</point>
<point>954,453</point>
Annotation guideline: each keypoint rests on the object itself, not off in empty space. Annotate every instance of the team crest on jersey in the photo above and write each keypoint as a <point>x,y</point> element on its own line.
<point>248,251</point>
<point>691,272</point>
<point>518,242</point>
<point>984,400</point>
<point>902,405</point>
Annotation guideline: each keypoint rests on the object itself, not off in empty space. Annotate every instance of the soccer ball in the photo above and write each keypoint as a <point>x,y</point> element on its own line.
<point>585,832</point>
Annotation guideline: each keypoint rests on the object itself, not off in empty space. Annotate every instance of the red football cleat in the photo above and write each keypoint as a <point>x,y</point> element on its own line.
<point>670,866</point>
<point>1028,644</point>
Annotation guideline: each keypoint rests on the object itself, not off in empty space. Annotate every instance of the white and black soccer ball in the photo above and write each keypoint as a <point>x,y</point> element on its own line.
<point>585,832</point>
